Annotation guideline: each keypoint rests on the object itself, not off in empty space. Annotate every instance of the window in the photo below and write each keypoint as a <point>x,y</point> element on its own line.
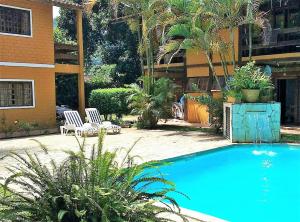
<point>201,83</point>
<point>294,18</point>
<point>15,21</point>
<point>16,94</point>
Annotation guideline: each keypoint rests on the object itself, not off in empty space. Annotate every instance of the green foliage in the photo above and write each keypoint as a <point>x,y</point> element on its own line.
<point>234,93</point>
<point>19,126</point>
<point>290,138</point>
<point>111,101</point>
<point>86,189</point>
<point>250,77</point>
<point>214,108</point>
<point>61,36</point>
<point>105,42</point>
<point>105,76</point>
<point>153,102</point>
<point>100,76</point>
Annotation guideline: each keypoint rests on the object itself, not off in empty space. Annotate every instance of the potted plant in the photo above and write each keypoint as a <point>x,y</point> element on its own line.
<point>233,96</point>
<point>250,80</point>
<point>267,94</point>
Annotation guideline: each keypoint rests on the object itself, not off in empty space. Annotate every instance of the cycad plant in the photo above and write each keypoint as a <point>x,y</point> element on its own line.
<point>85,188</point>
<point>152,102</point>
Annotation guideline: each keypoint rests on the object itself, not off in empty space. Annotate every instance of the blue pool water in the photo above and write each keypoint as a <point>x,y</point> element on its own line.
<point>241,183</point>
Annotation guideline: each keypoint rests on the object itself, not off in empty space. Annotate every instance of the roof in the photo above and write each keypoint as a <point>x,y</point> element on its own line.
<point>66,3</point>
<point>63,4</point>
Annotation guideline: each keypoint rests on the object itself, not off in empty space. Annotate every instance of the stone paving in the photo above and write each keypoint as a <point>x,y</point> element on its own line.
<point>150,144</point>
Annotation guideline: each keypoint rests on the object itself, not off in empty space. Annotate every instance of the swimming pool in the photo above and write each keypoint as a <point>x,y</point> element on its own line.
<point>240,183</point>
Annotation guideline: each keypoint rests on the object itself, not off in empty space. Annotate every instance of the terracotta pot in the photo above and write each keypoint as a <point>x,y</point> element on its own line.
<point>251,95</point>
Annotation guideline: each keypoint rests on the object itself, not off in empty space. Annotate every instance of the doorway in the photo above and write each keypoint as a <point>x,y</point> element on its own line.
<point>288,93</point>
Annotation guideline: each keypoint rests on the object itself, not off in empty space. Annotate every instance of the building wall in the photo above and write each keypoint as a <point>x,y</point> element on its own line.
<point>36,49</point>
<point>45,102</point>
<point>197,66</point>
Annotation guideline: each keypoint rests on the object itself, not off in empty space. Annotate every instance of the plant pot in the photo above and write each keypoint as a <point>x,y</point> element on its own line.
<point>267,95</point>
<point>231,99</point>
<point>250,95</point>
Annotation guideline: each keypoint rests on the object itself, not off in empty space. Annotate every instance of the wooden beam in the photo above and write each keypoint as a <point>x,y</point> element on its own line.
<point>65,47</point>
<point>67,69</point>
<point>66,57</point>
<point>171,65</point>
<point>273,56</point>
<point>81,99</point>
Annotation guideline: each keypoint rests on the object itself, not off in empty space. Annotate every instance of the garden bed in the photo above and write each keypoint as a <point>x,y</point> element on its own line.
<point>34,132</point>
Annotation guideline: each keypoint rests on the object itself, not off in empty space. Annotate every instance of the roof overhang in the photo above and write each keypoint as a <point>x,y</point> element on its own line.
<point>62,3</point>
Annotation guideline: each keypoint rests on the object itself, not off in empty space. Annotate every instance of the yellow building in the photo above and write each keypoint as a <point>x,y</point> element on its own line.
<point>30,60</point>
<point>279,55</point>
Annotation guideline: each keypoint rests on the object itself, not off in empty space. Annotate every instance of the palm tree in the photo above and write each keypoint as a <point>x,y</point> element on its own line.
<point>230,14</point>
<point>226,14</point>
<point>256,17</point>
<point>187,29</point>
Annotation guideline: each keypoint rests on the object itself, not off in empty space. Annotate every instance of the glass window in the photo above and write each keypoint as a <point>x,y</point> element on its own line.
<point>201,83</point>
<point>15,21</point>
<point>279,20</point>
<point>16,94</point>
<point>294,18</point>
<point>197,84</point>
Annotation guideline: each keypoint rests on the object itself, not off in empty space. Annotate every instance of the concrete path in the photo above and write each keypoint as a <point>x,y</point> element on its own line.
<point>150,144</point>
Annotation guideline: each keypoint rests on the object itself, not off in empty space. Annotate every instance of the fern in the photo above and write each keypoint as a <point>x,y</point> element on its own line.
<point>85,189</point>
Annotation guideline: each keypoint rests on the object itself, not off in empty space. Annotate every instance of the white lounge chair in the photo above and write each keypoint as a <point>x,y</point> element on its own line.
<point>94,117</point>
<point>74,123</point>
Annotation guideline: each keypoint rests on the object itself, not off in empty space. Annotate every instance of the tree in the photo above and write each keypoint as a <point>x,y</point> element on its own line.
<point>188,30</point>
<point>105,42</point>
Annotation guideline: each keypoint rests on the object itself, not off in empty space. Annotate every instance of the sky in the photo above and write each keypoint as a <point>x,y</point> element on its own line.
<point>55,11</point>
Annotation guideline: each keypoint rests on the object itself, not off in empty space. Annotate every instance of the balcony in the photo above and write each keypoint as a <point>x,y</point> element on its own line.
<point>281,41</point>
<point>66,54</point>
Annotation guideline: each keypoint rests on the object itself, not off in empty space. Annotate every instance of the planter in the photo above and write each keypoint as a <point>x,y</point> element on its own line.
<point>29,133</point>
<point>250,95</point>
<point>231,99</point>
<point>267,95</point>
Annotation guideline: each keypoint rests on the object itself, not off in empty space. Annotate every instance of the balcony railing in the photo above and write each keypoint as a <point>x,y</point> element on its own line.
<point>66,54</point>
<point>281,41</point>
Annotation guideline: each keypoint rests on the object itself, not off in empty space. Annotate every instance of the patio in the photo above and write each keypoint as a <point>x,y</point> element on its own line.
<point>151,144</point>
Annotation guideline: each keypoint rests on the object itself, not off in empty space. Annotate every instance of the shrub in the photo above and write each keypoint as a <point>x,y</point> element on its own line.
<point>86,189</point>
<point>100,77</point>
<point>111,101</point>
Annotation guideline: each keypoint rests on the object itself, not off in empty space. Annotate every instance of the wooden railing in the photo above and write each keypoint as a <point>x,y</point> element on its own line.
<point>281,41</point>
<point>66,54</point>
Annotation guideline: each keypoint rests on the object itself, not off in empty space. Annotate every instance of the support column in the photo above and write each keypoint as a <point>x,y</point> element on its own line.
<point>81,97</point>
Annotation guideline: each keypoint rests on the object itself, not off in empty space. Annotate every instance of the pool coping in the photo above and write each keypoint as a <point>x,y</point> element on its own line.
<point>196,215</point>
<point>216,149</point>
